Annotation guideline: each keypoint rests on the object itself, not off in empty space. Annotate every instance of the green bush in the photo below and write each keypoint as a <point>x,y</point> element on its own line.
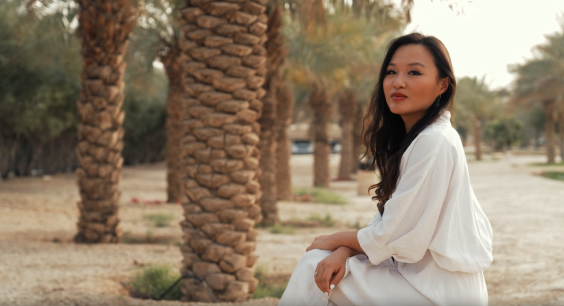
<point>320,195</point>
<point>327,221</point>
<point>282,229</point>
<point>554,175</point>
<point>159,220</point>
<point>153,280</point>
<point>269,287</point>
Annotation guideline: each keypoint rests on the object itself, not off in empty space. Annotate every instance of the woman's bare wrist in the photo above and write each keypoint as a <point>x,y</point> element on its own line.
<point>346,251</point>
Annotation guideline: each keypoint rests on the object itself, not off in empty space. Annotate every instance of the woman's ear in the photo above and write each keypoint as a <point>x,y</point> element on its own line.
<point>444,84</point>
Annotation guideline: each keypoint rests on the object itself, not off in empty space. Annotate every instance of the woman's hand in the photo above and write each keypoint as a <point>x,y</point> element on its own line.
<point>324,242</point>
<point>331,270</point>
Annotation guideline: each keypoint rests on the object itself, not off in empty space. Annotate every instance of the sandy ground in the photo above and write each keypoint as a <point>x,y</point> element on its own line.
<point>39,264</point>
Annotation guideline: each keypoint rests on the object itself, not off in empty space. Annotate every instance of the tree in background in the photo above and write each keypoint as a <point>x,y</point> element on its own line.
<point>285,105</point>
<point>538,82</point>
<point>39,63</point>
<point>503,132</point>
<point>339,56</point>
<point>475,104</point>
<point>267,145</point>
<point>224,69</point>
<point>104,28</point>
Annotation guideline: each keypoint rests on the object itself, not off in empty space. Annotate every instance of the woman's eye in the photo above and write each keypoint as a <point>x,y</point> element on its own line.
<point>390,72</point>
<point>414,72</point>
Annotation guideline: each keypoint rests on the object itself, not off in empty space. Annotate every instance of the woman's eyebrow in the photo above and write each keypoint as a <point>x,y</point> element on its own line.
<point>412,64</point>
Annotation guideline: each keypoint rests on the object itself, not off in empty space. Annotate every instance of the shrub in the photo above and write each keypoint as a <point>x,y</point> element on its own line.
<point>153,280</point>
<point>318,195</point>
<point>327,221</point>
<point>269,286</point>
<point>281,229</point>
<point>159,220</point>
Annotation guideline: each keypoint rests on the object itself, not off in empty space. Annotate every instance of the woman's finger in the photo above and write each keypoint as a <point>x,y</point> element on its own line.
<point>317,276</point>
<point>327,273</point>
<point>338,276</point>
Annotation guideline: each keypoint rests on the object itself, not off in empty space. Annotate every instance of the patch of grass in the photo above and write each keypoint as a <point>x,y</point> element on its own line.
<point>318,195</point>
<point>327,221</point>
<point>159,220</point>
<point>153,280</point>
<point>554,175</point>
<point>269,286</point>
<point>150,238</point>
<point>545,164</point>
<point>282,229</point>
<point>355,225</point>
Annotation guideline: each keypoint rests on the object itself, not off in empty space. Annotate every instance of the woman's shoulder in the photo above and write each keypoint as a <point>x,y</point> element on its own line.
<point>440,136</point>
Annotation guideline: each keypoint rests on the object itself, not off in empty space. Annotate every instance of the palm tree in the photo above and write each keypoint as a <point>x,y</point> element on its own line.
<point>321,108</point>
<point>475,104</point>
<point>540,81</point>
<point>267,145</point>
<point>285,105</point>
<point>348,109</point>
<point>224,64</point>
<point>104,28</point>
<point>339,57</point>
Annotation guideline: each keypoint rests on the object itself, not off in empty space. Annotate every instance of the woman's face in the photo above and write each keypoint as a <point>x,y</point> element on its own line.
<point>412,82</point>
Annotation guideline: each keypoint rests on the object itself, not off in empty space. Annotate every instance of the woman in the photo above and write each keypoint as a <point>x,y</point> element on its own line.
<point>430,241</point>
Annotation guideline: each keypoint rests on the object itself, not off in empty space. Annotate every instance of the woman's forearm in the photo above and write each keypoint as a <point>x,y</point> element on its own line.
<point>349,240</point>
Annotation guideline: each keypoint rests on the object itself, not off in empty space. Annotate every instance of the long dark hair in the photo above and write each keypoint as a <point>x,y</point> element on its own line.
<point>384,134</point>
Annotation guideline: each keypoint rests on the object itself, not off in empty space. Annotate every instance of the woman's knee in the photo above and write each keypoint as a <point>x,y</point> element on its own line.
<point>312,258</point>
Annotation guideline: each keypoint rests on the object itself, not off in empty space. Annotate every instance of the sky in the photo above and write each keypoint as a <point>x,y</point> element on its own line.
<point>485,36</point>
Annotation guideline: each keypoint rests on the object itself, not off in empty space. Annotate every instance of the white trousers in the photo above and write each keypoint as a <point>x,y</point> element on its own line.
<point>363,284</point>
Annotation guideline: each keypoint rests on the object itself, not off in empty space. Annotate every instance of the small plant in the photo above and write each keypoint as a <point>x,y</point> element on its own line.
<point>355,225</point>
<point>554,175</point>
<point>269,286</point>
<point>154,280</point>
<point>159,220</point>
<point>327,221</point>
<point>318,195</point>
<point>282,229</point>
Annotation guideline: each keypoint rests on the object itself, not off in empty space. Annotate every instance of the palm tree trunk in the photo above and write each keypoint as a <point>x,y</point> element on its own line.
<point>347,108</point>
<point>104,27</point>
<point>321,107</point>
<point>561,134</point>
<point>549,107</point>
<point>357,134</point>
<point>285,100</point>
<point>477,125</point>
<point>224,67</point>
<point>174,127</point>
<point>267,144</point>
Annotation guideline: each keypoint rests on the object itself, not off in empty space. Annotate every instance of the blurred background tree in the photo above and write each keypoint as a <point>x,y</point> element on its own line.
<point>337,60</point>
<point>475,105</point>
<point>39,86</point>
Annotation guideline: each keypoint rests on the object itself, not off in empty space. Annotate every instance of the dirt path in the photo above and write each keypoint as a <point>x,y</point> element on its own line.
<point>39,265</point>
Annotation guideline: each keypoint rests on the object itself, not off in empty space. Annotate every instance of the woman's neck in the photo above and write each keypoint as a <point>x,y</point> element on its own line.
<point>411,119</point>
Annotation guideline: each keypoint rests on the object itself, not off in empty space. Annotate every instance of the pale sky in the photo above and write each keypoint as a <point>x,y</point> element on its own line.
<point>490,34</point>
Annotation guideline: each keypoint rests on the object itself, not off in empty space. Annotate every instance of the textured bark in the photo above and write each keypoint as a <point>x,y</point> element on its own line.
<point>549,108</point>
<point>224,65</point>
<point>174,127</point>
<point>104,28</point>
<point>267,144</point>
<point>285,100</point>
<point>321,107</point>
<point>477,126</point>
<point>347,109</point>
<point>357,134</point>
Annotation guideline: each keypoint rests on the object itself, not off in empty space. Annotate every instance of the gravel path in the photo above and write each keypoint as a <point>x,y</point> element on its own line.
<point>39,265</point>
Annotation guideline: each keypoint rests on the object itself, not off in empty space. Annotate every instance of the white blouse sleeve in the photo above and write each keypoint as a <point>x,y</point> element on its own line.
<point>410,218</point>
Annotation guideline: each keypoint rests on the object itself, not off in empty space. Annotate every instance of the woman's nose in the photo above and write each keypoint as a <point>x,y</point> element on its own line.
<point>398,82</point>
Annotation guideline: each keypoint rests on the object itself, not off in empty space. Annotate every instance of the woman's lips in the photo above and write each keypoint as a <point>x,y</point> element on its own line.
<point>398,97</point>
